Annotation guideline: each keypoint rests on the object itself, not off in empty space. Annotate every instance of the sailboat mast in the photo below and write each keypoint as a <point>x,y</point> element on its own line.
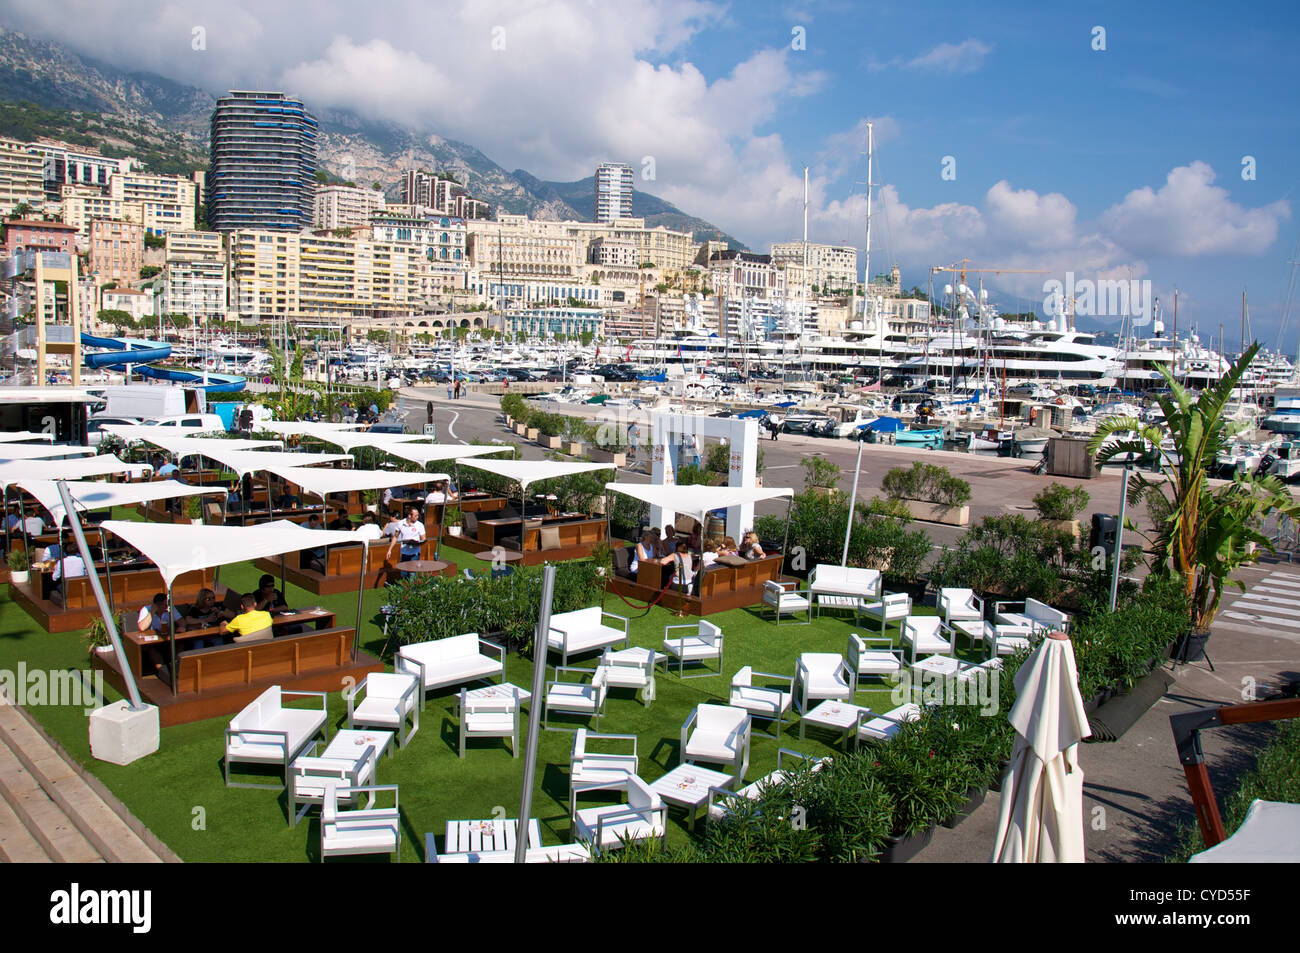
<point>866,266</point>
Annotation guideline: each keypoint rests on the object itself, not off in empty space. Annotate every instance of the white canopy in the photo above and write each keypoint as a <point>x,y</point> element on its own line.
<point>320,481</point>
<point>1269,834</point>
<point>14,436</point>
<point>179,444</point>
<point>26,451</point>
<point>697,501</point>
<point>90,495</point>
<point>426,453</point>
<point>302,428</point>
<point>253,461</point>
<point>176,548</point>
<point>380,441</point>
<point>530,471</point>
<point>1041,816</point>
<point>72,469</point>
<point>132,433</point>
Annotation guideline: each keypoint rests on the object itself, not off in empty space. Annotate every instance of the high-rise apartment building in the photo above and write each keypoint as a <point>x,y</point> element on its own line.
<point>194,276</point>
<point>63,166</point>
<point>262,172</point>
<point>166,202</point>
<point>613,191</point>
<point>344,206</point>
<point>21,177</point>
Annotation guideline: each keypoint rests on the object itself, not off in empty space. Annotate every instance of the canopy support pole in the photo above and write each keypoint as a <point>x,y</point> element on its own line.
<point>361,586</point>
<point>132,691</point>
<point>270,514</point>
<point>108,572</point>
<point>9,542</point>
<point>283,587</point>
<point>853,500</point>
<point>535,711</point>
<point>785,543</point>
<point>171,628</point>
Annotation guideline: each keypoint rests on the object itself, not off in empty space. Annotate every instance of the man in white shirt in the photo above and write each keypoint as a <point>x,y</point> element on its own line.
<point>410,536</point>
<point>369,529</point>
<point>435,496</point>
<point>154,616</point>
<point>33,526</point>
<point>70,566</point>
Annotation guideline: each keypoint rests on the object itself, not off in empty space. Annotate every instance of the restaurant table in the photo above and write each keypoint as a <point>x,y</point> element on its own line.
<point>495,834</point>
<point>497,554</point>
<point>136,641</point>
<point>422,566</point>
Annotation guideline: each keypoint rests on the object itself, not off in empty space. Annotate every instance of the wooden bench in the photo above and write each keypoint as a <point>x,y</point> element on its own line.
<point>245,664</point>
<point>133,588</point>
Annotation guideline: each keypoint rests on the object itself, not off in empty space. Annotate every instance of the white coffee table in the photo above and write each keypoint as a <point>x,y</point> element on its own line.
<point>942,665</point>
<point>347,744</point>
<point>688,785</point>
<point>833,715</point>
<point>503,692</point>
<point>496,833</point>
<point>973,629</point>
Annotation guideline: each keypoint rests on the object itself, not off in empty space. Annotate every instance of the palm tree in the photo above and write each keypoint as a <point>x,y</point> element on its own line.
<point>1203,533</point>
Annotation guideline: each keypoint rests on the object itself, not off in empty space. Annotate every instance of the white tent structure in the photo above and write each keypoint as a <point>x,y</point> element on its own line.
<point>698,502</point>
<point>379,441</point>
<point>319,481</point>
<point>134,433</point>
<point>92,495</point>
<point>525,472</point>
<point>73,468</point>
<point>426,453</point>
<point>243,462</point>
<point>180,444</point>
<point>177,549</point>
<point>1041,817</point>
<point>1269,834</point>
<point>302,428</point>
<point>28,451</point>
<point>16,436</point>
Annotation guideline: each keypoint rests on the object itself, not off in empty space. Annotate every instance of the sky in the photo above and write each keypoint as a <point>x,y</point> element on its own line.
<point>1154,141</point>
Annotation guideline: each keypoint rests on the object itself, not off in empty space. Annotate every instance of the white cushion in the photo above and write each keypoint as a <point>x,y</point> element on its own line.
<point>760,700</point>
<point>571,696</point>
<point>878,662</point>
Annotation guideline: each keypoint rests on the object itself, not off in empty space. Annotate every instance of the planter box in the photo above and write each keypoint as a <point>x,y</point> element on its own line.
<point>823,490</point>
<point>938,513</point>
<point>901,849</point>
<point>576,448</point>
<point>974,798</point>
<point>19,576</point>
<point>550,443</point>
<point>609,456</point>
<point>520,429</point>
<point>531,433</point>
<point>453,530</point>
<point>1065,526</point>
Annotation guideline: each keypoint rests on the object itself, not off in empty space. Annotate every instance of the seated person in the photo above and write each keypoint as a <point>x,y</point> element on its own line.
<point>153,617</point>
<point>682,564</point>
<point>750,547</point>
<point>70,566</point>
<point>267,597</point>
<point>314,558</point>
<point>710,554</point>
<point>646,551</point>
<point>166,470</point>
<point>287,500</point>
<point>340,522</point>
<point>669,544</point>
<point>394,521</point>
<point>728,547</point>
<point>13,523</point>
<point>369,529</point>
<point>250,619</point>
<point>204,614</point>
<point>441,493</point>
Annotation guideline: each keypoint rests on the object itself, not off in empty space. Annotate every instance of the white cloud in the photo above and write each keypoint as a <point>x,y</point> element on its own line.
<point>964,57</point>
<point>1191,216</point>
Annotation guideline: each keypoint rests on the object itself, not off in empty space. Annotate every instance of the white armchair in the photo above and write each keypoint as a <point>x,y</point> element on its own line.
<point>391,700</point>
<point>820,676</point>
<point>309,776</point>
<point>634,668</point>
<point>927,635</point>
<point>873,727</point>
<point>573,697</point>
<point>960,605</point>
<point>370,830</point>
<point>720,799</point>
<point>894,607</point>
<point>585,630</point>
<point>873,657</point>
<point>703,643</point>
<point>769,701</point>
<point>592,770</point>
<point>643,817</point>
<point>489,718</point>
<point>717,734</point>
<point>1001,639</point>
<point>786,598</point>
<point>266,732</point>
<point>459,660</point>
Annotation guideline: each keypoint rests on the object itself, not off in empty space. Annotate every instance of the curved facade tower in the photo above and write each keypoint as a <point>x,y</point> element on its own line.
<point>262,171</point>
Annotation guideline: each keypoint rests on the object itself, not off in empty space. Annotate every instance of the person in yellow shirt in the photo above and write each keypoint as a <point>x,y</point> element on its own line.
<point>250,619</point>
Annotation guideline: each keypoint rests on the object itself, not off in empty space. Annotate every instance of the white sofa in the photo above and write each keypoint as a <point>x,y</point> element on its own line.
<point>844,581</point>
<point>717,734</point>
<point>266,732</point>
<point>458,660</point>
<point>1036,615</point>
<point>584,630</point>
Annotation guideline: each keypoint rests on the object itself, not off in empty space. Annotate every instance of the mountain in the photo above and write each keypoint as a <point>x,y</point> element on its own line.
<point>48,90</point>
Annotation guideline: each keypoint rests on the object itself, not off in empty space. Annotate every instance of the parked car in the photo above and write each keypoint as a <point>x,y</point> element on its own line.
<point>94,433</point>
<point>199,422</point>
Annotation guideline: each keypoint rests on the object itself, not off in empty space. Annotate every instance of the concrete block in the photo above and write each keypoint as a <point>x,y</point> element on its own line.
<point>120,735</point>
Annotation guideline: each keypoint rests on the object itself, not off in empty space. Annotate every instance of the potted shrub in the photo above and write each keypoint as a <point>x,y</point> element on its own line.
<point>18,567</point>
<point>96,637</point>
<point>531,424</point>
<point>194,509</point>
<point>370,499</point>
<point>550,430</point>
<point>451,520</point>
<point>1059,506</point>
<point>930,493</point>
<point>579,432</point>
<point>821,476</point>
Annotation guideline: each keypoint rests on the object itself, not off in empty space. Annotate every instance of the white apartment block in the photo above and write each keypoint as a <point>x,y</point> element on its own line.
<point>613,198</point>
<point>442,238</point>
<point>830,267</point>
<point>614,252</point>
<point>83,204</point>
<point>63,166</point>
<point>167,201</point>
<point>138,304</point>
<point>21,177</point>
<point>342,206</point>
<point>194,277</point>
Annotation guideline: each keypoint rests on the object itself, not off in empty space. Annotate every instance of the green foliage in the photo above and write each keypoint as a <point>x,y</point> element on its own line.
<point>1061,502</point>
<point>1010,556</point>
<point>550,425</point>
<point>18,560</point>
<point>116,317</point>
<point>96,635</point>
<point>626,516</point>
<point>1116,649</point>
<point>193,507</point>
<point>818,471</point>
<point>576,493</point>
<point>513,406</point>
<point>153,241</point>
<point>691,475</point>
<point>927,482</point>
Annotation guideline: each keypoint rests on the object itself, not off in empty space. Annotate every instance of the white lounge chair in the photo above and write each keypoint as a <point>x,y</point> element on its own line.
<point>705,642</point>
<point>769,701</point>
<point>634,669</point>
<point>786,598</point>
<point>717,734</point>
<point>1001,639</point>
<point>873,727</point>
<point>893,607</point>
<point>927,635</point>
<point>643,817</point>
<point>266,732</point>
<point>489,718</point>
<point>960,605</point>
<point>309,776</point>
<point>1036,615</point>
<point>820,676</point>
<point>585,630</point>
<point>873,657</point>
<point>575,697</point>
<point>720,799</point>
<point>594,770</point>
<point>459,660</point>
<point>391,700</point>
<point>369,830</point>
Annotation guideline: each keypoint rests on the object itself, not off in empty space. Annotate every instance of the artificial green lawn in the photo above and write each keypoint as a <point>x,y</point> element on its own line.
<point>167,789</point>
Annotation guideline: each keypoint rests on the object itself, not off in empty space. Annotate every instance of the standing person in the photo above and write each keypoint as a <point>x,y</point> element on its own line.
<point>409,536</point>
<point>633,438</point>
<point>505,385</point>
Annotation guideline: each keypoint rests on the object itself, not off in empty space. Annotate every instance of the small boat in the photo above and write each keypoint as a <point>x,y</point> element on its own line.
<point>929,435</point>
<point>1032,440</point>
<point>1283,461</point>
<point>990,438</point>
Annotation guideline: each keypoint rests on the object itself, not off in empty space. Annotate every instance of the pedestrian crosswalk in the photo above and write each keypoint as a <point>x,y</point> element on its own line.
<point>1274,600</point>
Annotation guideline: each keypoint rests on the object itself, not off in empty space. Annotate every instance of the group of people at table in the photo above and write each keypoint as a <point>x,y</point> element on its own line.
<point>676,553</point>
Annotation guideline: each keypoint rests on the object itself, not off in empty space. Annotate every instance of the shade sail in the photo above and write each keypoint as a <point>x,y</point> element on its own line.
<point>132,433</point>
<point>426,453</point>
<point>176,548</point>
<point>698,501</point>
<point>89,495</point>
<point>74,468</point>
<point>302,428</point>
<point>530,471</point>
<point>254,461</point>
<point>31,451</point>
<point>1269,834</point>
<point>380,441</point>
<point>1041,815</point>
<point>319,481</point>
<point>178,443</point>
<point>15,436</point>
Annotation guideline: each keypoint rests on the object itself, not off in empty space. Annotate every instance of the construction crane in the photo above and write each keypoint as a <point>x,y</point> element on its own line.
<point>962,268</point>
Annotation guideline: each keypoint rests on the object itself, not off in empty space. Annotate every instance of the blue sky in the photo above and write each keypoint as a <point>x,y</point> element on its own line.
<point>1119,163</point>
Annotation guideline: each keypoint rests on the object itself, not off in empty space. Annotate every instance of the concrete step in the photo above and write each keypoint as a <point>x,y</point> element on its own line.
<point>95,818</point>
<point>45,821</point>
<point>17,845</point>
